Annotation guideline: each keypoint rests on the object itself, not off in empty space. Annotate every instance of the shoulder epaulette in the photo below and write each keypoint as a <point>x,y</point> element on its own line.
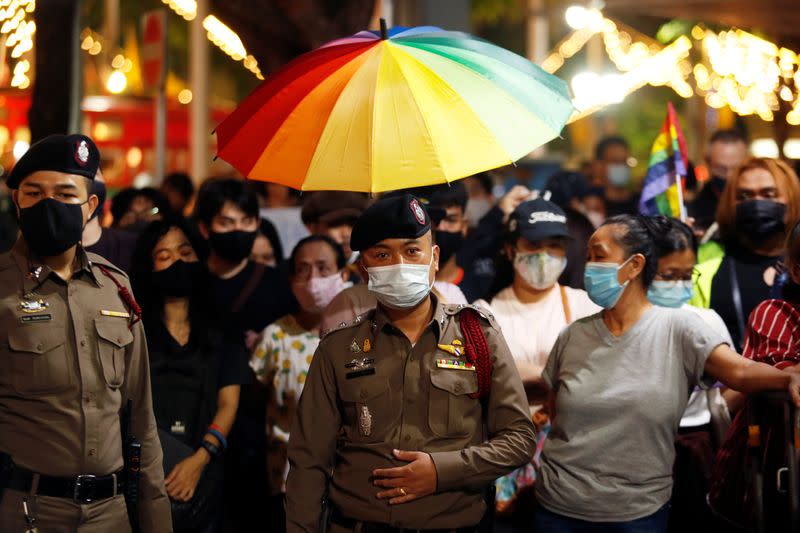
<point>357,321</point>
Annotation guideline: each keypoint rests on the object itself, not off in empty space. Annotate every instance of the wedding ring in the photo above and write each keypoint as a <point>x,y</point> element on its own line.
<point>403,492</point>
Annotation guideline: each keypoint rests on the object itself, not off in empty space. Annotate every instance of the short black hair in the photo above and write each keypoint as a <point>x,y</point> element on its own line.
<point>639,238</point>
<point>341,261</point>
<point>731,135</point>
<point>444,196</point>
<point>216,191</point>
<point>485,181</point>
<point>565,185</point>
<point>121,202</point>
<point>607,142</point>
<point>179,182</point>
<point>672,236</point>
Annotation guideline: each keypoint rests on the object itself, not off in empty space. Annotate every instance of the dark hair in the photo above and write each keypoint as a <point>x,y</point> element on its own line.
<point>639,238</point>
<point>215,192</point>
<point>485,181</point>
<point>150,299</point>
<point>266,229</point>
<point>731,135</point>
<point>793,245</point>
<point>607,142</point>
<point>673,236</point>
<point>565,185</point>
<point>121,202</point>
<point>444,196</point>
<point>181,183</point>
<point>337,251</point>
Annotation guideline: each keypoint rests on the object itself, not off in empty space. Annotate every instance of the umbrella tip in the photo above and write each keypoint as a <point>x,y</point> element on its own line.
<point>384,31</point>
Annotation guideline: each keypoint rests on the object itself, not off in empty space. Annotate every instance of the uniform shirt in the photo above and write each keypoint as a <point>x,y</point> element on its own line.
<point>67,368</point>
<point>619,399</point>
<point>395,396</point>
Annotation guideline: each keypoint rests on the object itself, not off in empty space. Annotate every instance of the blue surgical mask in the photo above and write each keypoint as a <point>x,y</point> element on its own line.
<point>602,284</point>
<point>619,175</point>
<point>670,293</point>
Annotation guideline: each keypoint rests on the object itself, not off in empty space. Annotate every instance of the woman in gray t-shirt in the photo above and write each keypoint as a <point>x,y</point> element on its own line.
<point>620,381</point>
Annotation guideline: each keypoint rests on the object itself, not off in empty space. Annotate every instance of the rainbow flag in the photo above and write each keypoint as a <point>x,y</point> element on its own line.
<point>666,170</point>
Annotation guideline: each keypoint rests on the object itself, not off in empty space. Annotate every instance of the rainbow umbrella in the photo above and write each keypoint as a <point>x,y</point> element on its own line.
<point>384,110</point>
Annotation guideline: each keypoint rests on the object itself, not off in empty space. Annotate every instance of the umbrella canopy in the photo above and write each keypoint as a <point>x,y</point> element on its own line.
<point>372,112</point>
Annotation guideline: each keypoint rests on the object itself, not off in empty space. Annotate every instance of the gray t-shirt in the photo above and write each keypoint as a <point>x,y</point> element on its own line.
<point>609,454</point>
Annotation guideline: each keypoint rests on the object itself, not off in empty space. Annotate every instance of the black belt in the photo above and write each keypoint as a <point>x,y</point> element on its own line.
<point>82,489</point>
<point>376,527</point>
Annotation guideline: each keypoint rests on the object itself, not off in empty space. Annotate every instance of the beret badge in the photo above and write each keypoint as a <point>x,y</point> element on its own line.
<point>82,153</point>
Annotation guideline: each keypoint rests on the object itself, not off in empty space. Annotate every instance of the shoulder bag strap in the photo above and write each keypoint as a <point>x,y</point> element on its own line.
<point>249,287</point>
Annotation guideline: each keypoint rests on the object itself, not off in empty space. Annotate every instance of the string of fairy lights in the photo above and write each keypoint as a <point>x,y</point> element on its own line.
<point>217,32</point>
<point>737,69</point>
<point>16,31</point>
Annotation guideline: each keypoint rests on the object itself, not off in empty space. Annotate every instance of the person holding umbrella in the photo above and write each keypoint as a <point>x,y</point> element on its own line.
<point>409,410</point>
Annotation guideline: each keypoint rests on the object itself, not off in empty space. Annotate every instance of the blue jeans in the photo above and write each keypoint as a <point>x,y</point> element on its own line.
<point>545,521</point>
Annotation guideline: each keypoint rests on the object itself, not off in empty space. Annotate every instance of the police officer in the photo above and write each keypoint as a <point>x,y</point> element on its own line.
<point>410,410</point>
<point>72,354</point>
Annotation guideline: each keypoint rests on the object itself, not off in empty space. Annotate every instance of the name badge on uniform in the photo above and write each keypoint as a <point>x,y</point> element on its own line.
<point>118,314</point>
<point>455,365</point>
<point>35,318</point>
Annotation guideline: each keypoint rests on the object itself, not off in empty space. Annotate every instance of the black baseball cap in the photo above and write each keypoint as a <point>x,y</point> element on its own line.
<point>70,154</point>
<point>539,219</point>
<point>391,217</point>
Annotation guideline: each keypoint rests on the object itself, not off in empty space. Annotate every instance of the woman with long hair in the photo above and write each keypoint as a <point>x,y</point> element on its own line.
<point>195,373</point>
<point>757,207</point>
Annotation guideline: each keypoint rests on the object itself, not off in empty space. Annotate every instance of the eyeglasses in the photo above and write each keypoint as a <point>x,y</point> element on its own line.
<point>676,275</point>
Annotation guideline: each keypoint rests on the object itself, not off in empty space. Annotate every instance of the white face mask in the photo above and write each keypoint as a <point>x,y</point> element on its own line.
<point>540,270</point>
<point>400,286</point>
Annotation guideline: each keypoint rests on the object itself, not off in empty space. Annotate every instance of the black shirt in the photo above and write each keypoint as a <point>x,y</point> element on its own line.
<point>116,246</point>
<point>750,268</point>
<point>185,379</point>
<point>270,300</point>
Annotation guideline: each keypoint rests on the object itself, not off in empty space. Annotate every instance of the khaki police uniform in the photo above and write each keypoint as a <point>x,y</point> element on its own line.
<point>370,391</point>
<point>68,364</point>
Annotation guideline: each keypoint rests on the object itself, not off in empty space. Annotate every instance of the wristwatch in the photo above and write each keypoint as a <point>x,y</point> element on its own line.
<point>212,450</point>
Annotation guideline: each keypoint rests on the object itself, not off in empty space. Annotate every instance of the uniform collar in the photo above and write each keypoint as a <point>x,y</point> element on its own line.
<point>382,320</point>
<point>35,272</point>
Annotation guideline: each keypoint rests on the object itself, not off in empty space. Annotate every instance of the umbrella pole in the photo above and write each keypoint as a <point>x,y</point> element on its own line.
<point>384,31</point>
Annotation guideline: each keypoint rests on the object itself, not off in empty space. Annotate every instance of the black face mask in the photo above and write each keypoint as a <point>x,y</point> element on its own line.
<point>233,245</point>
<point>178,280</point>
<point>51,227</point>
<point>758,219</point>
<point>449,244</point>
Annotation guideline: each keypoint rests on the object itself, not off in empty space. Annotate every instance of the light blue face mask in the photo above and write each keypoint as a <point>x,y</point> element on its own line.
<point>670,293</point>
<point>602,285</point>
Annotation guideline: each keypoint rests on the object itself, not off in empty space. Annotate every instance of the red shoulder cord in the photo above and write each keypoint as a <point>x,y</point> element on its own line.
<point>125,295</point>
<point>477,351</point>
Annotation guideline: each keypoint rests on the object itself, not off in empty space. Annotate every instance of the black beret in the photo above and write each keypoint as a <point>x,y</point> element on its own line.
<point>393,217</point>
<point>70,154</point>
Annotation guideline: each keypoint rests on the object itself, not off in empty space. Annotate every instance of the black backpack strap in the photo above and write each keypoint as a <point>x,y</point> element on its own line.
<point>249,287</point>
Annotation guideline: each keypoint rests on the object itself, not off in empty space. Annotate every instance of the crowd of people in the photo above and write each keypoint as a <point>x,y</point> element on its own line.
<point>585,373</point>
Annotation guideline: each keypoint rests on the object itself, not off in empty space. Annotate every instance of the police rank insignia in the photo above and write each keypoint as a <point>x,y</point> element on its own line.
<point>359,368</point>
<point>32,304</point>
<point>364,421</point>
<point>456,348</point>
<point>455,365</point>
